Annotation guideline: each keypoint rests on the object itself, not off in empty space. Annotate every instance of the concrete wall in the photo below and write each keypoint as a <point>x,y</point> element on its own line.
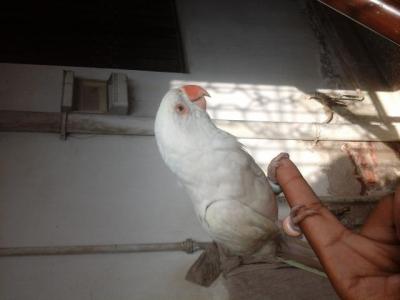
<point>112,189</point>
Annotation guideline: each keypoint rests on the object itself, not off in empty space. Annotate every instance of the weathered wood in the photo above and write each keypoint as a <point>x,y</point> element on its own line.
<point>206,268</point>
<point>85,123</point>
<point>30,121</point>
<point>109,124</point>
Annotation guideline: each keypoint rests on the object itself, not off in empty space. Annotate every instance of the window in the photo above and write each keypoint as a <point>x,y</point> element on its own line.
<point>141,34</point>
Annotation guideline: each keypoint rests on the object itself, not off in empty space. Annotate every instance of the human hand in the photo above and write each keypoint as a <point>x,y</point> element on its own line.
<point>359,266</point>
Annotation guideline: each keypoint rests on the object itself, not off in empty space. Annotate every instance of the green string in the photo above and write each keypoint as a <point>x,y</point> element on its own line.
<point>302,267</point>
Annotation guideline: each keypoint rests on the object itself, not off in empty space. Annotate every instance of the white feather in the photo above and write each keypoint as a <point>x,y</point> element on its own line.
<point>230,192</point>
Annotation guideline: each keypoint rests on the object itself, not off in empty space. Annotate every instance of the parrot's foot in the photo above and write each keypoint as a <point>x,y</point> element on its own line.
<point>276,188</point>
<point>274,164</point>
<point>272,167</point>
<point>297,214</point>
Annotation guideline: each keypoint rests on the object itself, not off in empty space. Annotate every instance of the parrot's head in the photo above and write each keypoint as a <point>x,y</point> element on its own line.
<point>182,121</point>
<point>183,102</point>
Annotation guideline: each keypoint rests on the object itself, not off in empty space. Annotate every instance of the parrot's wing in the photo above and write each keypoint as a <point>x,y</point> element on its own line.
<point>254,189</point>
<point>237,226</point>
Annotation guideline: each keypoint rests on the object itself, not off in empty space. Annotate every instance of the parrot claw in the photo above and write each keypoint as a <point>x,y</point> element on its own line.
<point>274,164</point>
<point>297,214</point>
<point>276,188</point>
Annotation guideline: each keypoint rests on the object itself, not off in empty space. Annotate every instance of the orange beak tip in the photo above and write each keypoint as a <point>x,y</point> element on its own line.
<point>194,92</point>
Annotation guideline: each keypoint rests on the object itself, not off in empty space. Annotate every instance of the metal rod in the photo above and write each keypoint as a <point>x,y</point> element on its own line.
<point>348,199</point>
<point>188,246</point>
<point>381,16</point>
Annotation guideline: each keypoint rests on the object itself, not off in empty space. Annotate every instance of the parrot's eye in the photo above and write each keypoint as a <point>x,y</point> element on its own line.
<point>181,108</point>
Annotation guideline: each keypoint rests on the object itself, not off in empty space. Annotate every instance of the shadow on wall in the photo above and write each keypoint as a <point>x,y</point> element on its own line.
<point>380,125</point>
<point>250,102</point>
<point>268,103</point>
<point>332,167</point>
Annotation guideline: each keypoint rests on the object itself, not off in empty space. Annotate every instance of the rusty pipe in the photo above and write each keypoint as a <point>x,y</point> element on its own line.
<point>380,16</point>
<point>188,246</point>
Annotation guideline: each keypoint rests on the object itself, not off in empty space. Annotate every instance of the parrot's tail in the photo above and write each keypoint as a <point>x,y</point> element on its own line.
<point>298,253</point>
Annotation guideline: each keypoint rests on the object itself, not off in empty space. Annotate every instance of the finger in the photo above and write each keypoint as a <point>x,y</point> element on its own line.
<point>396,211</point>
<point>324,232</point>
<point>379,224</point>
<point>345,256</point>
<point>324,228</point>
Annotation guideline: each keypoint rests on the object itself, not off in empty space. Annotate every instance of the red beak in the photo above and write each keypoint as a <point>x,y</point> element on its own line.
<point>196,94</point>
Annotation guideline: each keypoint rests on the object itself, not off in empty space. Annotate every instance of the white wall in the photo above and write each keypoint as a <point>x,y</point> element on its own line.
<point>111,189</point>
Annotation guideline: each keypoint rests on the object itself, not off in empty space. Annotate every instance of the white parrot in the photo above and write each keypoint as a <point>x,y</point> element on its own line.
<point>230,193</point>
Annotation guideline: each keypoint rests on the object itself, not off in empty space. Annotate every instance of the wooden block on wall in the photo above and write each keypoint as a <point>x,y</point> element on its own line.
<point>117,88</point>
<point>67,91</point>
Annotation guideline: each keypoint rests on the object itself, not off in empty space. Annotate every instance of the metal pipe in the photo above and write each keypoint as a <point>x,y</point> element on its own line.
<point>381,16</point>
<point>349,199</point>
<point>188,246</point>
<point>126,125</point>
